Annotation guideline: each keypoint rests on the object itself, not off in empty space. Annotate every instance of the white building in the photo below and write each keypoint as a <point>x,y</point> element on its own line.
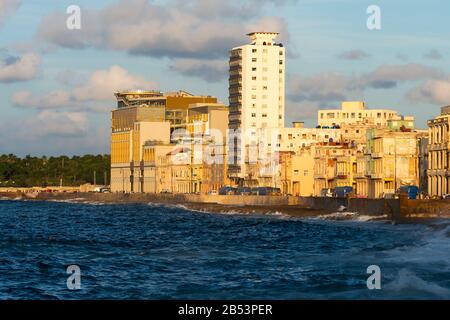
<point>355,112</point>
<point>256,95</point>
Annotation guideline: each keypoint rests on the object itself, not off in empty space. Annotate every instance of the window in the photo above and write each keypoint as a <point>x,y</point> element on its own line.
<point>264,87</point>
<point>281,53</point>
<point>264,115</point>
<point>253,115</point>
<point>253,78</point>
<point>254,60</point>
<point>254,50</point>
<point>305,173</point>
<point>281,71</point>
<point>281,62</point>
<point>253,69</point>
<point>254,96</point>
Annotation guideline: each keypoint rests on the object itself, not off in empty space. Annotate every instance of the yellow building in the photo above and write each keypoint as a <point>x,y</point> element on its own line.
<point>334,165</point>
<point>144,117</point>
<point>392,161</point>
<point>297,172</point>
<point>439,154</point>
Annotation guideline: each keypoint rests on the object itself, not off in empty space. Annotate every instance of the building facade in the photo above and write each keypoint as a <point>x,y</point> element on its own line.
<point>256,97</point>
<point>354,112</point>
<point>439,154</point>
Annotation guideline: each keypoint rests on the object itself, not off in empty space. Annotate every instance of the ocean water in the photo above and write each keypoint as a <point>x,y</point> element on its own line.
<point>164,252</point>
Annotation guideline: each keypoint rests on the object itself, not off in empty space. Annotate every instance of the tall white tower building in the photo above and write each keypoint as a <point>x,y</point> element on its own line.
<point>256,97</point>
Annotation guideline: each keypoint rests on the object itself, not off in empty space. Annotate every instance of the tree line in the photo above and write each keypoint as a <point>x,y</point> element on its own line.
<point>51,171</point>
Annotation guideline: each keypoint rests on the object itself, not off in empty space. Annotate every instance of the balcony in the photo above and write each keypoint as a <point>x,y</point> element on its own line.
<point>377,154</point>
<point>377,176</point>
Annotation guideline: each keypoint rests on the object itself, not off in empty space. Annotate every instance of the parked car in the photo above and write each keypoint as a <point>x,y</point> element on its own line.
<point>227,191</point>
<point>275,191</point>
<point>244,191</point>
<point>342,192</point>
<point>105,190</point>
<point>411,191</point>
<point>446,196</point>
<point>328,193</point>
<point>260,191</point>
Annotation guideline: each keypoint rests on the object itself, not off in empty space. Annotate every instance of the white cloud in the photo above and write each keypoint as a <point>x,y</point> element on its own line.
<point>99,88</point>
<point>14,69</point>
<point>177,29</point>
<point>432,91</point>
<point>209,70</point>
<point>7,8</point>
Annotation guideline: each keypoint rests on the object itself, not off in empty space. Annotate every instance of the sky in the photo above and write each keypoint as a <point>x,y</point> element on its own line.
<point>57,84</point>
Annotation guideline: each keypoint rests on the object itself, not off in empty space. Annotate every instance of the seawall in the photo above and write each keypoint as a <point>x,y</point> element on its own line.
<point>394,209</point>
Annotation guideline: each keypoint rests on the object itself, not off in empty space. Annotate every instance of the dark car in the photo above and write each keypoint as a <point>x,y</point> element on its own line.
<point>260,191</point>
<point>342,192</point>
<point>227,191</point>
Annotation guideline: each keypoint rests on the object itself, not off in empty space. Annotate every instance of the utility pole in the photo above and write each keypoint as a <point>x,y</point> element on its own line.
<point>62,174</point>
<point>395,164</point>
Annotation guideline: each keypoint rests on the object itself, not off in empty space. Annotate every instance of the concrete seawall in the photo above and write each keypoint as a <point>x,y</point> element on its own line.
<point>395,209</point>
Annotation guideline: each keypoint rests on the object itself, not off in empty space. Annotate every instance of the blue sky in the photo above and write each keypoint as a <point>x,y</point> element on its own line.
<point>56,84</point>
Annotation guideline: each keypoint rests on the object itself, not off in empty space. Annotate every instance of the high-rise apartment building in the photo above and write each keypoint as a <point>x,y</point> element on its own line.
<point>256,96</point>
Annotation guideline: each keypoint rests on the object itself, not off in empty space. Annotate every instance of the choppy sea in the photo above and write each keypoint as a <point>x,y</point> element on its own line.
<point>168,252</point>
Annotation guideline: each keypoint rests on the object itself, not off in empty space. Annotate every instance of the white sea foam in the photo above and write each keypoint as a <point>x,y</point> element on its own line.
<point>406,281</point>
<point>431,247</point>
<point>350,216</point>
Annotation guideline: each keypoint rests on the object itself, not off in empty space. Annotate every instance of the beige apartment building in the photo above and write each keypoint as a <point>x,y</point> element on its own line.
<point>297,172</point>
<point>391,161</point>
<point>354,112</point>
<point>141,135</point>
<point>327,173</point>
<point>439,154</point>
<point>296,138</point>
<point>256,98</point>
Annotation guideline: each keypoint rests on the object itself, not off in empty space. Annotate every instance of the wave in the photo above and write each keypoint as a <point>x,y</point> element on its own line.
<point>78,201</point>
<point>408,283</point>
<point>222,212</point>
<point>350,216</point>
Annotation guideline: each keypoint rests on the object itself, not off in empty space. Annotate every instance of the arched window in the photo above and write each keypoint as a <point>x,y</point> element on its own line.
<point>264,43</point>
